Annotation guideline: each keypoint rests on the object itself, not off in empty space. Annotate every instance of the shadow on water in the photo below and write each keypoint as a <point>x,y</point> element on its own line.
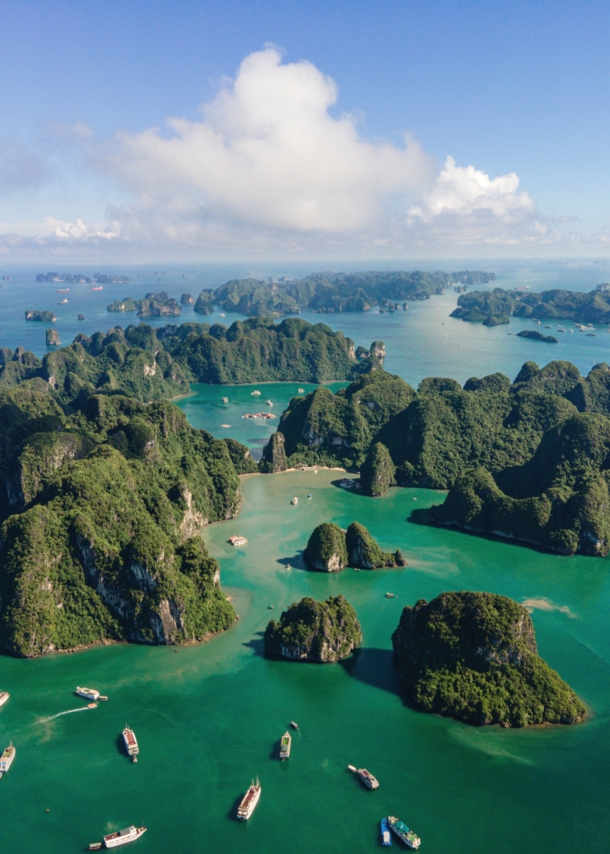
<point>256,644</point>
<point>120,745</point>
<point>294,562</point>
<point>374,667</point>
<point>274,753</point>
<point>418,516</point>
<point>232,814</point>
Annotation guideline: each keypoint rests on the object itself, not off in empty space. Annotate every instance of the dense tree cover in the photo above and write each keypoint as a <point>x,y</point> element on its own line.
<point>534,335</point>
<point>101,507</point>
<point>473,656</point>
<point>315,631</point>
<point>326,549</point>
<point>364,553</point>
<point>496,306</point>
<point>153,305</point>
<point>152,364</point>
<point>331,292</point>
<point>484,442</point>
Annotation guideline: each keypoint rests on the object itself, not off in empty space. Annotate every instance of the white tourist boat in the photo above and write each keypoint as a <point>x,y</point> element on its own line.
<point>90,694</point>
<point>119,837</point>
<point>4,695</point>
<point>249,801</point>
<point>6,760</point>
<point>131,743</point>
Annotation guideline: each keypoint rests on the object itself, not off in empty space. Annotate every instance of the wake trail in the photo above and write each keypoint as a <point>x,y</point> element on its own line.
<point>69,712</point>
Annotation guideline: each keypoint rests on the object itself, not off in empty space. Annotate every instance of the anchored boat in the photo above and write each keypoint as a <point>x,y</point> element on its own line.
<point>90,694</point>
<point>365,777</point>
<point>386,836</point>
<point>4,695</point>
<point>285,745</point>
<point>294,725</point>
<point>6,760</point>
<point>131,743</point>
<point>120,837</point>
<point>249,801</point>
<point>409,837</point>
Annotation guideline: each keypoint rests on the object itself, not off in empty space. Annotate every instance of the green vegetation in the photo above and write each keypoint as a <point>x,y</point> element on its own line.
<point>473,656</point>
<point>79,278</point>
<point>487,306</point>
<point>534,335</point>
<point>378,472</point>
<point>152,364</point>
<point>153,305</point>
<point>326,549</point>
<point>40,316</point>
<point>364,552</point>
<point>315,631</point>
<point>101,507</point>
<point>527,460</point>
<point>331,292</point>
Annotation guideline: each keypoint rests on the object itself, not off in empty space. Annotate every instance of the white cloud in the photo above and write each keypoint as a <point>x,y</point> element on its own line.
<point>78,231</point>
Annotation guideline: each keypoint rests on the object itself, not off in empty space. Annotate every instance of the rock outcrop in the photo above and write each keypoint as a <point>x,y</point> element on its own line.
<point>377,473</point>
<point>473,656</point>
<point>326,549</point>
<point>40,316</point>
<point>52,338</point>
<point>274,454</point>
<point>315,631</point>
<point>364,553</point>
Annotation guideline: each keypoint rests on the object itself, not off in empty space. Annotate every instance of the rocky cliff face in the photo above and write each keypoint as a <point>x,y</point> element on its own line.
<point>326,549</point>
<point>364,553</point>
<point>315,631</point>
<point>274,454</point>
<point>473,656</point>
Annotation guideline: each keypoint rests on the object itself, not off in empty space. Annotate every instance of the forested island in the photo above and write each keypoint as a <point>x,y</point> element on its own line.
<point>79,278</point>
<point>498,305</point>
<point>101,506</point>
<point>473,656</point>
<point>152,364</point>
<point>332,292</point>
<point>315,631</point>
<point>527,460</point>
<point>153,305</point>
<point>331,549</point>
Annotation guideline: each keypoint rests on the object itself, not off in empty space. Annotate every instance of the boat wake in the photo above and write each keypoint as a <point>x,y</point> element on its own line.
<point>68,712</point>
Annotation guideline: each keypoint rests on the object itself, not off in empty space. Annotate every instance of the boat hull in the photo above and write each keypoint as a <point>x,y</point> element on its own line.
<point>123,838</point>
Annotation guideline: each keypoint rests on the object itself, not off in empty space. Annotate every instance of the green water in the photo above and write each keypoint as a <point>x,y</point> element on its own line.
<point>208,718</point>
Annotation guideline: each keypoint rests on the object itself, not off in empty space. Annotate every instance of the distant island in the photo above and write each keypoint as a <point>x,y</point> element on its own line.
<point>79,278</point>
<point>332,292</point>
<point>40,316</point>
<point>473,656</point>
<point>526,460</point>
<point>498,305</point>
<point>330,549</point>
<point>153,305</point>
<point>315,631</point>
<point>534,335</point>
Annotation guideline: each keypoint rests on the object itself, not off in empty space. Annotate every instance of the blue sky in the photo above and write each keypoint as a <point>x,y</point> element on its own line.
<point>302,147</point>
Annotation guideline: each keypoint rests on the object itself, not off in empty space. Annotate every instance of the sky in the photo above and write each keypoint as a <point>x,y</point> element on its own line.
<point>153,130</point>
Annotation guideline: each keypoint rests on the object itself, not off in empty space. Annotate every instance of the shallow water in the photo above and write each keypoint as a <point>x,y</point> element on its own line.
<point>208,717</point>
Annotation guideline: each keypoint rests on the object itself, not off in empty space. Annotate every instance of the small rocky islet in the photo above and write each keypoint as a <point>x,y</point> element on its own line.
<point>315,631</point>
<point>330,549</point>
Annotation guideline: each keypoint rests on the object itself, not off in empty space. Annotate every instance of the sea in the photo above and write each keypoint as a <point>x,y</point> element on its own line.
<point>209,717</point>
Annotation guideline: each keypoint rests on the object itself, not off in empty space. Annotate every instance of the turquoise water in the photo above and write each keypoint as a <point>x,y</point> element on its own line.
<point>208,718</point>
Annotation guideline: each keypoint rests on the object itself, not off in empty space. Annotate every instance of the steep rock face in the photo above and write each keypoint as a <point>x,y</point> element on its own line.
<point>326,549</point>
<point>377,473</point>
<point>315,631</point>
<point>274,454</point>
<point>364,553</point>
<point>52,338</point>
<point>473,656</point>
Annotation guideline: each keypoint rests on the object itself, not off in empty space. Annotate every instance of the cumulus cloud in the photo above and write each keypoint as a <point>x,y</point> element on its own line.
<point>269,153</point>
<point>78,231</point>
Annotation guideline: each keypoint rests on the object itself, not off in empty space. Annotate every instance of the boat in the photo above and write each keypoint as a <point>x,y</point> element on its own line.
<point>269,402</point>
<point>402,832</point>
<point>63,290</point>
<point>6,760</point>
<point>131,743</point>
<point>249,801</point>
<point>310,495</point>
<point>295,500</point>
<point>89,694</point>
<point>237,540</point>
<point>122,837</point>
<point>590,335</point>
<point>301,390</point>
<point>4,695</point>
<point>98,288</point>
<point>255,393</point>
<point>386,836</point>
<point>365,777</point>
<point>285,745</point>
<point>390,595</point>
<point>293,725</point>
<point>225,400</point>
<point>62,302</point>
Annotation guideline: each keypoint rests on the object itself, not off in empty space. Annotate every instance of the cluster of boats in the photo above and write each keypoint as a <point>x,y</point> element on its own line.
<point>391,823</point>
<point>6,760</point>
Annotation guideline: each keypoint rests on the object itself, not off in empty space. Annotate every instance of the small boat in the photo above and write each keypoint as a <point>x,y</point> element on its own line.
<point>249,801</point>
<point>386,836</point>
<point>309,496</point>
<point>269,402</point>
<point>295,500</point>
<point>122,837</point>
<point>301,391</point>
<point>94,846</point>
<point>255,393</point>
<point>63,290</point>
<point>6,760</point>
<point>62,302</point>
<point>402,832</point>
<point>4,695</point>
<point>294,725</point>
<point>89,694</point>
<point>285,745</point>
<point>91,706</point>
<point>98,288</point>
<point>221,314</point>
<point>225,400</point>
<point>131,743</point>
<point>237,540</point>
<point>365,777</point>
<point>390,595</point>
<point>590,335</point>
